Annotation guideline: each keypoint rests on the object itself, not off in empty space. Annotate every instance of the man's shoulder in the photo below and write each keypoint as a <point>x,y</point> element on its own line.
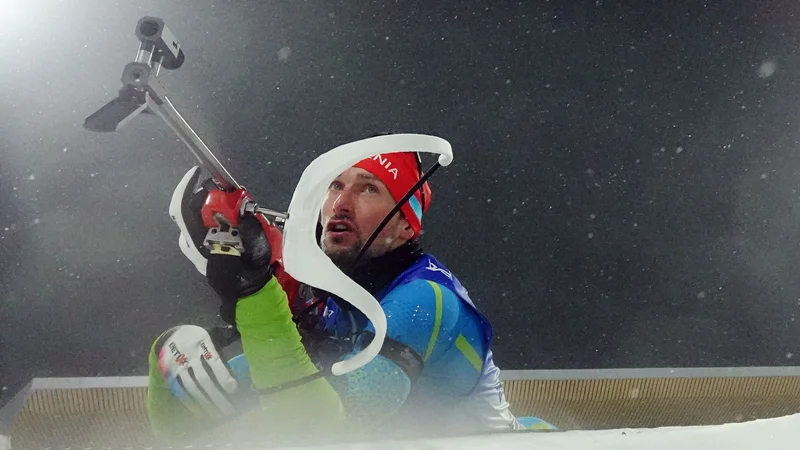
<point>420,311</point>
<point>421,294</point>
<point>427,267</point>
<point>433,265</point>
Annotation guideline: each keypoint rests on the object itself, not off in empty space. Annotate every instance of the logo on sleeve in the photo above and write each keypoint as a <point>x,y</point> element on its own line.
<point>434,268</point>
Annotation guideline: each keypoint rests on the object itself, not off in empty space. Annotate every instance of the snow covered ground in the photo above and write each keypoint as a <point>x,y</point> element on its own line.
<point>769,434</point>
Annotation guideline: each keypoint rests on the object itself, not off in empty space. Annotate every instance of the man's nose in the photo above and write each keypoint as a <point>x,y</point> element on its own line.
<point>344,202</point>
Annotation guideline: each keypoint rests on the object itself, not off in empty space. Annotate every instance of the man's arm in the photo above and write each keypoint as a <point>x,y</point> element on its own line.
<point>422,319</point>
<point>291,389</point>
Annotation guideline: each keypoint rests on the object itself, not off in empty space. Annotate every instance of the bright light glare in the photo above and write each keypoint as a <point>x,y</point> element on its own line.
<point>11,9</point>
<point>15,15</point>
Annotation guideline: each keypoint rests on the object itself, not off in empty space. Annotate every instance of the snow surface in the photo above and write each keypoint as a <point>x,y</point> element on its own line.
<point>768,434</point>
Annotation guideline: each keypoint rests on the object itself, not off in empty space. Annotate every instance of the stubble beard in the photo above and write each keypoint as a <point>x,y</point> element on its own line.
<point>343,257</point>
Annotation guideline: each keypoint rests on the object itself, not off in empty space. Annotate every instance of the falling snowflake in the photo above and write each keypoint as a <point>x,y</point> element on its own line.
<point>766,69</point>
<point>284,53</point>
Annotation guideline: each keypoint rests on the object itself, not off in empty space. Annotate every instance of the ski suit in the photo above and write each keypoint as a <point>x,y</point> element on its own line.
<point>436,375</point>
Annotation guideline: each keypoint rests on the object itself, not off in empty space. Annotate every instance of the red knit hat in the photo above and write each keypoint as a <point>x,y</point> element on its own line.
<point>399,172</point>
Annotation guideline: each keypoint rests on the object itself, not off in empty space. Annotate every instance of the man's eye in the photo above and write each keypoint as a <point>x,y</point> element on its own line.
<point>372,189</point>
<point>336,185</point>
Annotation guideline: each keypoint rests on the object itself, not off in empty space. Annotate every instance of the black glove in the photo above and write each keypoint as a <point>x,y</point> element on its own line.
<point>233,276</point>
<point>230,273</point>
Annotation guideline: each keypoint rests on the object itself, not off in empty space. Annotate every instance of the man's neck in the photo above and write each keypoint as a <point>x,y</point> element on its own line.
<point>375,274</point>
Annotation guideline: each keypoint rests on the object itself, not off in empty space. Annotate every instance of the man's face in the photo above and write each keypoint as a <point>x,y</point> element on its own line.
<point>356,203</point>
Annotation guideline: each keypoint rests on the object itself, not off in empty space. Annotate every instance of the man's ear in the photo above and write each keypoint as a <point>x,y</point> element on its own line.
<point>406,232</point>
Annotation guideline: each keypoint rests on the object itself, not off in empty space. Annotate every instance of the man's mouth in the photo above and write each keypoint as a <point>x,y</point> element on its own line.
<point>339,227</point>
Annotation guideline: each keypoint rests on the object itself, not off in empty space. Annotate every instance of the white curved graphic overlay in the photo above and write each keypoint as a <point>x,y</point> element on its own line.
<point>302,257</point>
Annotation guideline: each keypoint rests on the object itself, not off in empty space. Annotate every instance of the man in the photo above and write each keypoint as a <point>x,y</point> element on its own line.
<point>435,373</point>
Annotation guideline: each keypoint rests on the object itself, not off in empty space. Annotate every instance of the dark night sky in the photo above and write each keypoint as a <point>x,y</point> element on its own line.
<point>624,191</point>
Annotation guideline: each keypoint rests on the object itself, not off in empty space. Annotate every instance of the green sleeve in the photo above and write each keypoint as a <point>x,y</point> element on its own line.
<point>276,355</point>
